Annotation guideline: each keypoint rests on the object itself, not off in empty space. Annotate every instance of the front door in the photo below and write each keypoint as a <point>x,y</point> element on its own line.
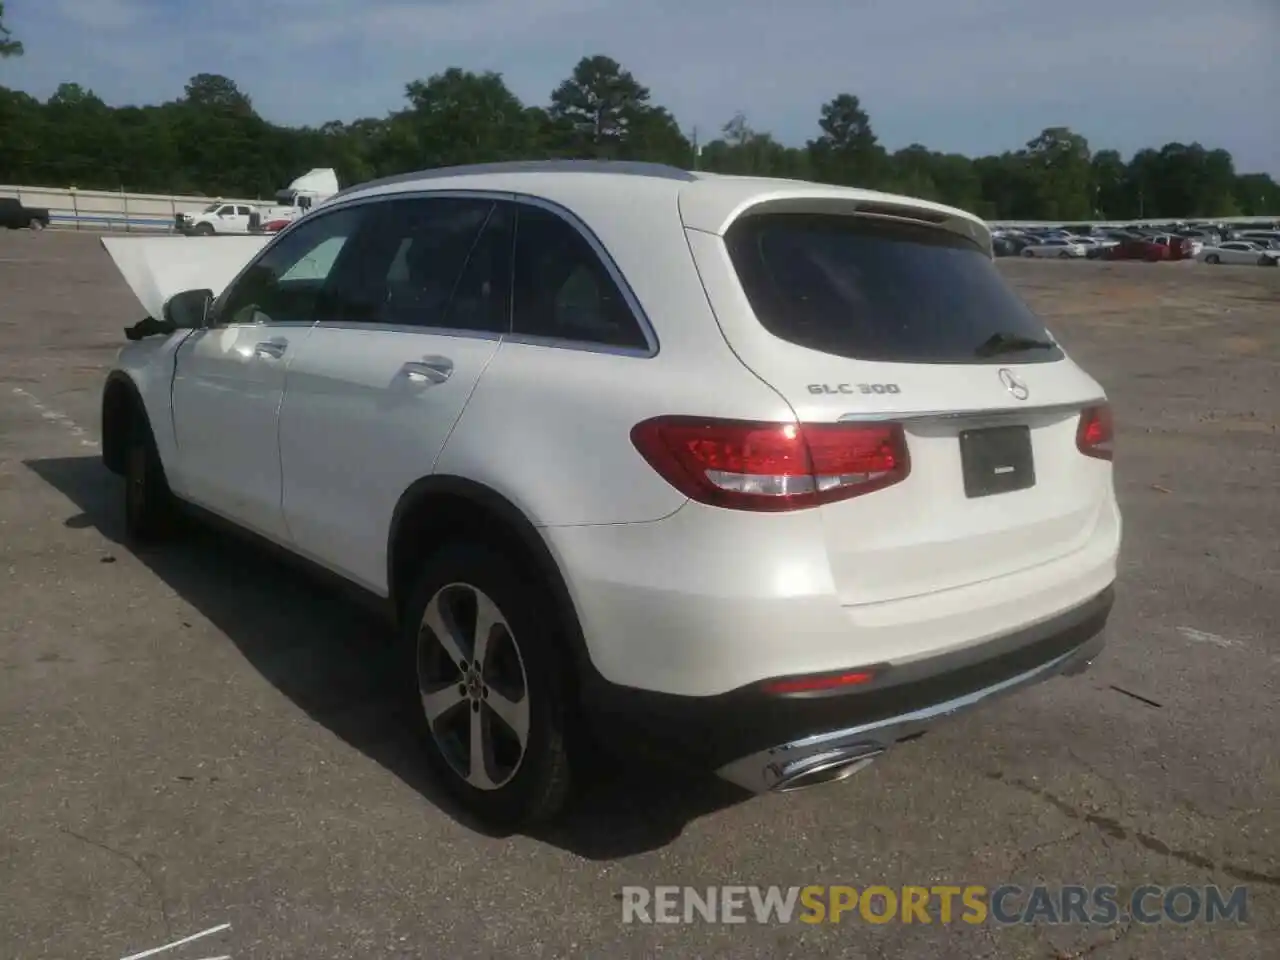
<point>230,378</point>
<point>411,317</point>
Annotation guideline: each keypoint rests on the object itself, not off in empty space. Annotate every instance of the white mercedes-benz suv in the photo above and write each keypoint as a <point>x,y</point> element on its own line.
<point>766,474</point>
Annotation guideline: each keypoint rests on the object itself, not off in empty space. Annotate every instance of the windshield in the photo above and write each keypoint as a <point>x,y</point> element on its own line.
<point>876,290</point>
<point>285,198</point>
<point>212,208</point>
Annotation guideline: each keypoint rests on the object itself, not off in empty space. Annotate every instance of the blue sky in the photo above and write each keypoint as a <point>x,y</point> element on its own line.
<point>973,76</point>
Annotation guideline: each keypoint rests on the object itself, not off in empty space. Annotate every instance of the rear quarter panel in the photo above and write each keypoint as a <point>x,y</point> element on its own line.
<point>549,427</point>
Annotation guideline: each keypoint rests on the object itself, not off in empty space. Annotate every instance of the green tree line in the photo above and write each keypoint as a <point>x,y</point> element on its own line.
<point>212,142</point>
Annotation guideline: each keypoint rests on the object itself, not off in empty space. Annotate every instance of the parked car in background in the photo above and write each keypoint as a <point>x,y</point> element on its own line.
<point>14,215</point>
<point>1055,247</point>
<point>1010,244</point>
<point>1267,237</point>
<point>1180,248</point>
<point>1094,247</point>
<point>216,218</point>
<point>1240,251</point>
<point>1138,248</point>
<point>767,475</point>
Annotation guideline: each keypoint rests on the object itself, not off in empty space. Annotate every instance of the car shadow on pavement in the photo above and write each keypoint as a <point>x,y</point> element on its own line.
<point>331,657</point>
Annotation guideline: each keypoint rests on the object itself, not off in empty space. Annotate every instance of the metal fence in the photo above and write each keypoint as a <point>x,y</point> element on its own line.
<point>74,209</point>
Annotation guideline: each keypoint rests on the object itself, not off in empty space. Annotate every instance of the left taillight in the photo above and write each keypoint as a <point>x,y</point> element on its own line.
<point>748,465</point>
<point>1095,436</point>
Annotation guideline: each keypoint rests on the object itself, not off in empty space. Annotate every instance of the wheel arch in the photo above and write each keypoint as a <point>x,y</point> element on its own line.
<point>121,402</point>
<point>442,507</point>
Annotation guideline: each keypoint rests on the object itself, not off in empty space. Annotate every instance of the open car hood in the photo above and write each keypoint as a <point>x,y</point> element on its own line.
<point>155,268</point>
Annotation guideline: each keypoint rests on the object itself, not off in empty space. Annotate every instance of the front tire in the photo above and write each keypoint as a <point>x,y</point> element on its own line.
<point>35,226</point>
<point>1213,258</point>
<point>148,504</point>
<point>203,230</point>
<point>479,645</point>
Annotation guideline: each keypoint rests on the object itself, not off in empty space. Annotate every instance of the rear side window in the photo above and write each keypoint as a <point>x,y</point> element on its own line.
<point>876,290</point>
<point>439,262</point>
<point>562,291</point>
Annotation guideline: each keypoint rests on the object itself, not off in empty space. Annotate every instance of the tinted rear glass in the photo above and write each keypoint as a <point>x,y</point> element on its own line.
<point>877,290</point>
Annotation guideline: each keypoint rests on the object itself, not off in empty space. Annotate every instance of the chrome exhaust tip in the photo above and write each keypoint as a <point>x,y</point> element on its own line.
<point>825,768</point>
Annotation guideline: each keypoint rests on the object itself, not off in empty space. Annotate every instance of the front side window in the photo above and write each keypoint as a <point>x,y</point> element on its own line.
<point>283,284</point>
<point>562,290</point>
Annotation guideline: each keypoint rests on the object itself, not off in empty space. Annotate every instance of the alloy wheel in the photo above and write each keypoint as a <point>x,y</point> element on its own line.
<point>473,686</point>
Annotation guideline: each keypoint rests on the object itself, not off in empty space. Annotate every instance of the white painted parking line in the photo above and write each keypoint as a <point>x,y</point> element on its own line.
<point>54,416</point>
<point>1202,636</point>
<point>178,943</point>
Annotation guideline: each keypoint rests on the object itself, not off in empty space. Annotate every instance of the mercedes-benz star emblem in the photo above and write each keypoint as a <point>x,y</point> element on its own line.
<point>1013,383</point>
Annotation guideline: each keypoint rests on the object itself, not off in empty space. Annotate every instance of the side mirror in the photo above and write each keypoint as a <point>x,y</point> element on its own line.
<point>188,310</point>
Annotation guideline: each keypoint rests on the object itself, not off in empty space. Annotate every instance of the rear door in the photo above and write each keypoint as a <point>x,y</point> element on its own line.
<point>860,319</point>
<point>406,325</point>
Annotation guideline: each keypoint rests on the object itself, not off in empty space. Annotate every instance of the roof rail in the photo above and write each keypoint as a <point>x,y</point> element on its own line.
<point>634,168</point>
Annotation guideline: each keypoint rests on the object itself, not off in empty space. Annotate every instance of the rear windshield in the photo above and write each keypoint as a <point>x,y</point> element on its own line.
<point>878,290</point>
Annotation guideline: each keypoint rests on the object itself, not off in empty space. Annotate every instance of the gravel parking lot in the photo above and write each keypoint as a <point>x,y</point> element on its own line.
<point>198,736</point>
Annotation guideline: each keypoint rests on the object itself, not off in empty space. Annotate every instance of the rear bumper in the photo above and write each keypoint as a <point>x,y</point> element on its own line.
<point>762,741</point>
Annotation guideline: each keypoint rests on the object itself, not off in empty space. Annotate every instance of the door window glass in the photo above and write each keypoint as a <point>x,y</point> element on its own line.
<point>439,262</point>
<point>561,289</point>
<point>284,282</point>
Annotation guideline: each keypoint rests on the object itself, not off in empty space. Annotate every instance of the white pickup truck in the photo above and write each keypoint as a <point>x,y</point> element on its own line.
<point>218,217</point>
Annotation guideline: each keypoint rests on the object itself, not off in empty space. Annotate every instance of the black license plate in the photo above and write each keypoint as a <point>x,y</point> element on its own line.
<point>996,460</point>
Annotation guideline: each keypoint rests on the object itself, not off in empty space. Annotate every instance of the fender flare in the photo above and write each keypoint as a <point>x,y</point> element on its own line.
<point>111,438</point>
<point>513,520</point>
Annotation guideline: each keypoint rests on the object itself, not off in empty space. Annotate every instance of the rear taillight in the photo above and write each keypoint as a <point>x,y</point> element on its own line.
<point>1095,437</point>
<point>747,465</point>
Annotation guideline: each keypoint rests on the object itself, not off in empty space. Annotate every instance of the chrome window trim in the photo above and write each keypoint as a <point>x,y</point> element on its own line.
<point>652,346</point>
<point>981,413</point>
<point>454,332</point>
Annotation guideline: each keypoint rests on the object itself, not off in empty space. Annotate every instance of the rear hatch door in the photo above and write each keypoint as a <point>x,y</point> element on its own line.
<point>879,319</point>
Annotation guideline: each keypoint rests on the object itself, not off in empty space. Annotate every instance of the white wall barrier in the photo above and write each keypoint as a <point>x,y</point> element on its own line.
<point>111,210</point>
<point>150,213</point>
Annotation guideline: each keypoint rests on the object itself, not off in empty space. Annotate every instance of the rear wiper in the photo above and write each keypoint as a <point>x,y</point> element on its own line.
<point>999,343</point>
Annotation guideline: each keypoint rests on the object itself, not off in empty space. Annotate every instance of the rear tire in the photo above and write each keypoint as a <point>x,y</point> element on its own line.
<point>148,503</point>
<point>489,705</point>
<point>35,226</point>
<point>1062,255</point>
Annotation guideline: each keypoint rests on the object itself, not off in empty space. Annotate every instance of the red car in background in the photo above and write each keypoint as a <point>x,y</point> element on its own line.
<point>1152,249</point>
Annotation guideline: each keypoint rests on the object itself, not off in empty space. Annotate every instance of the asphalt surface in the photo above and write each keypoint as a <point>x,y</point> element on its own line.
<point>198,736</point>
